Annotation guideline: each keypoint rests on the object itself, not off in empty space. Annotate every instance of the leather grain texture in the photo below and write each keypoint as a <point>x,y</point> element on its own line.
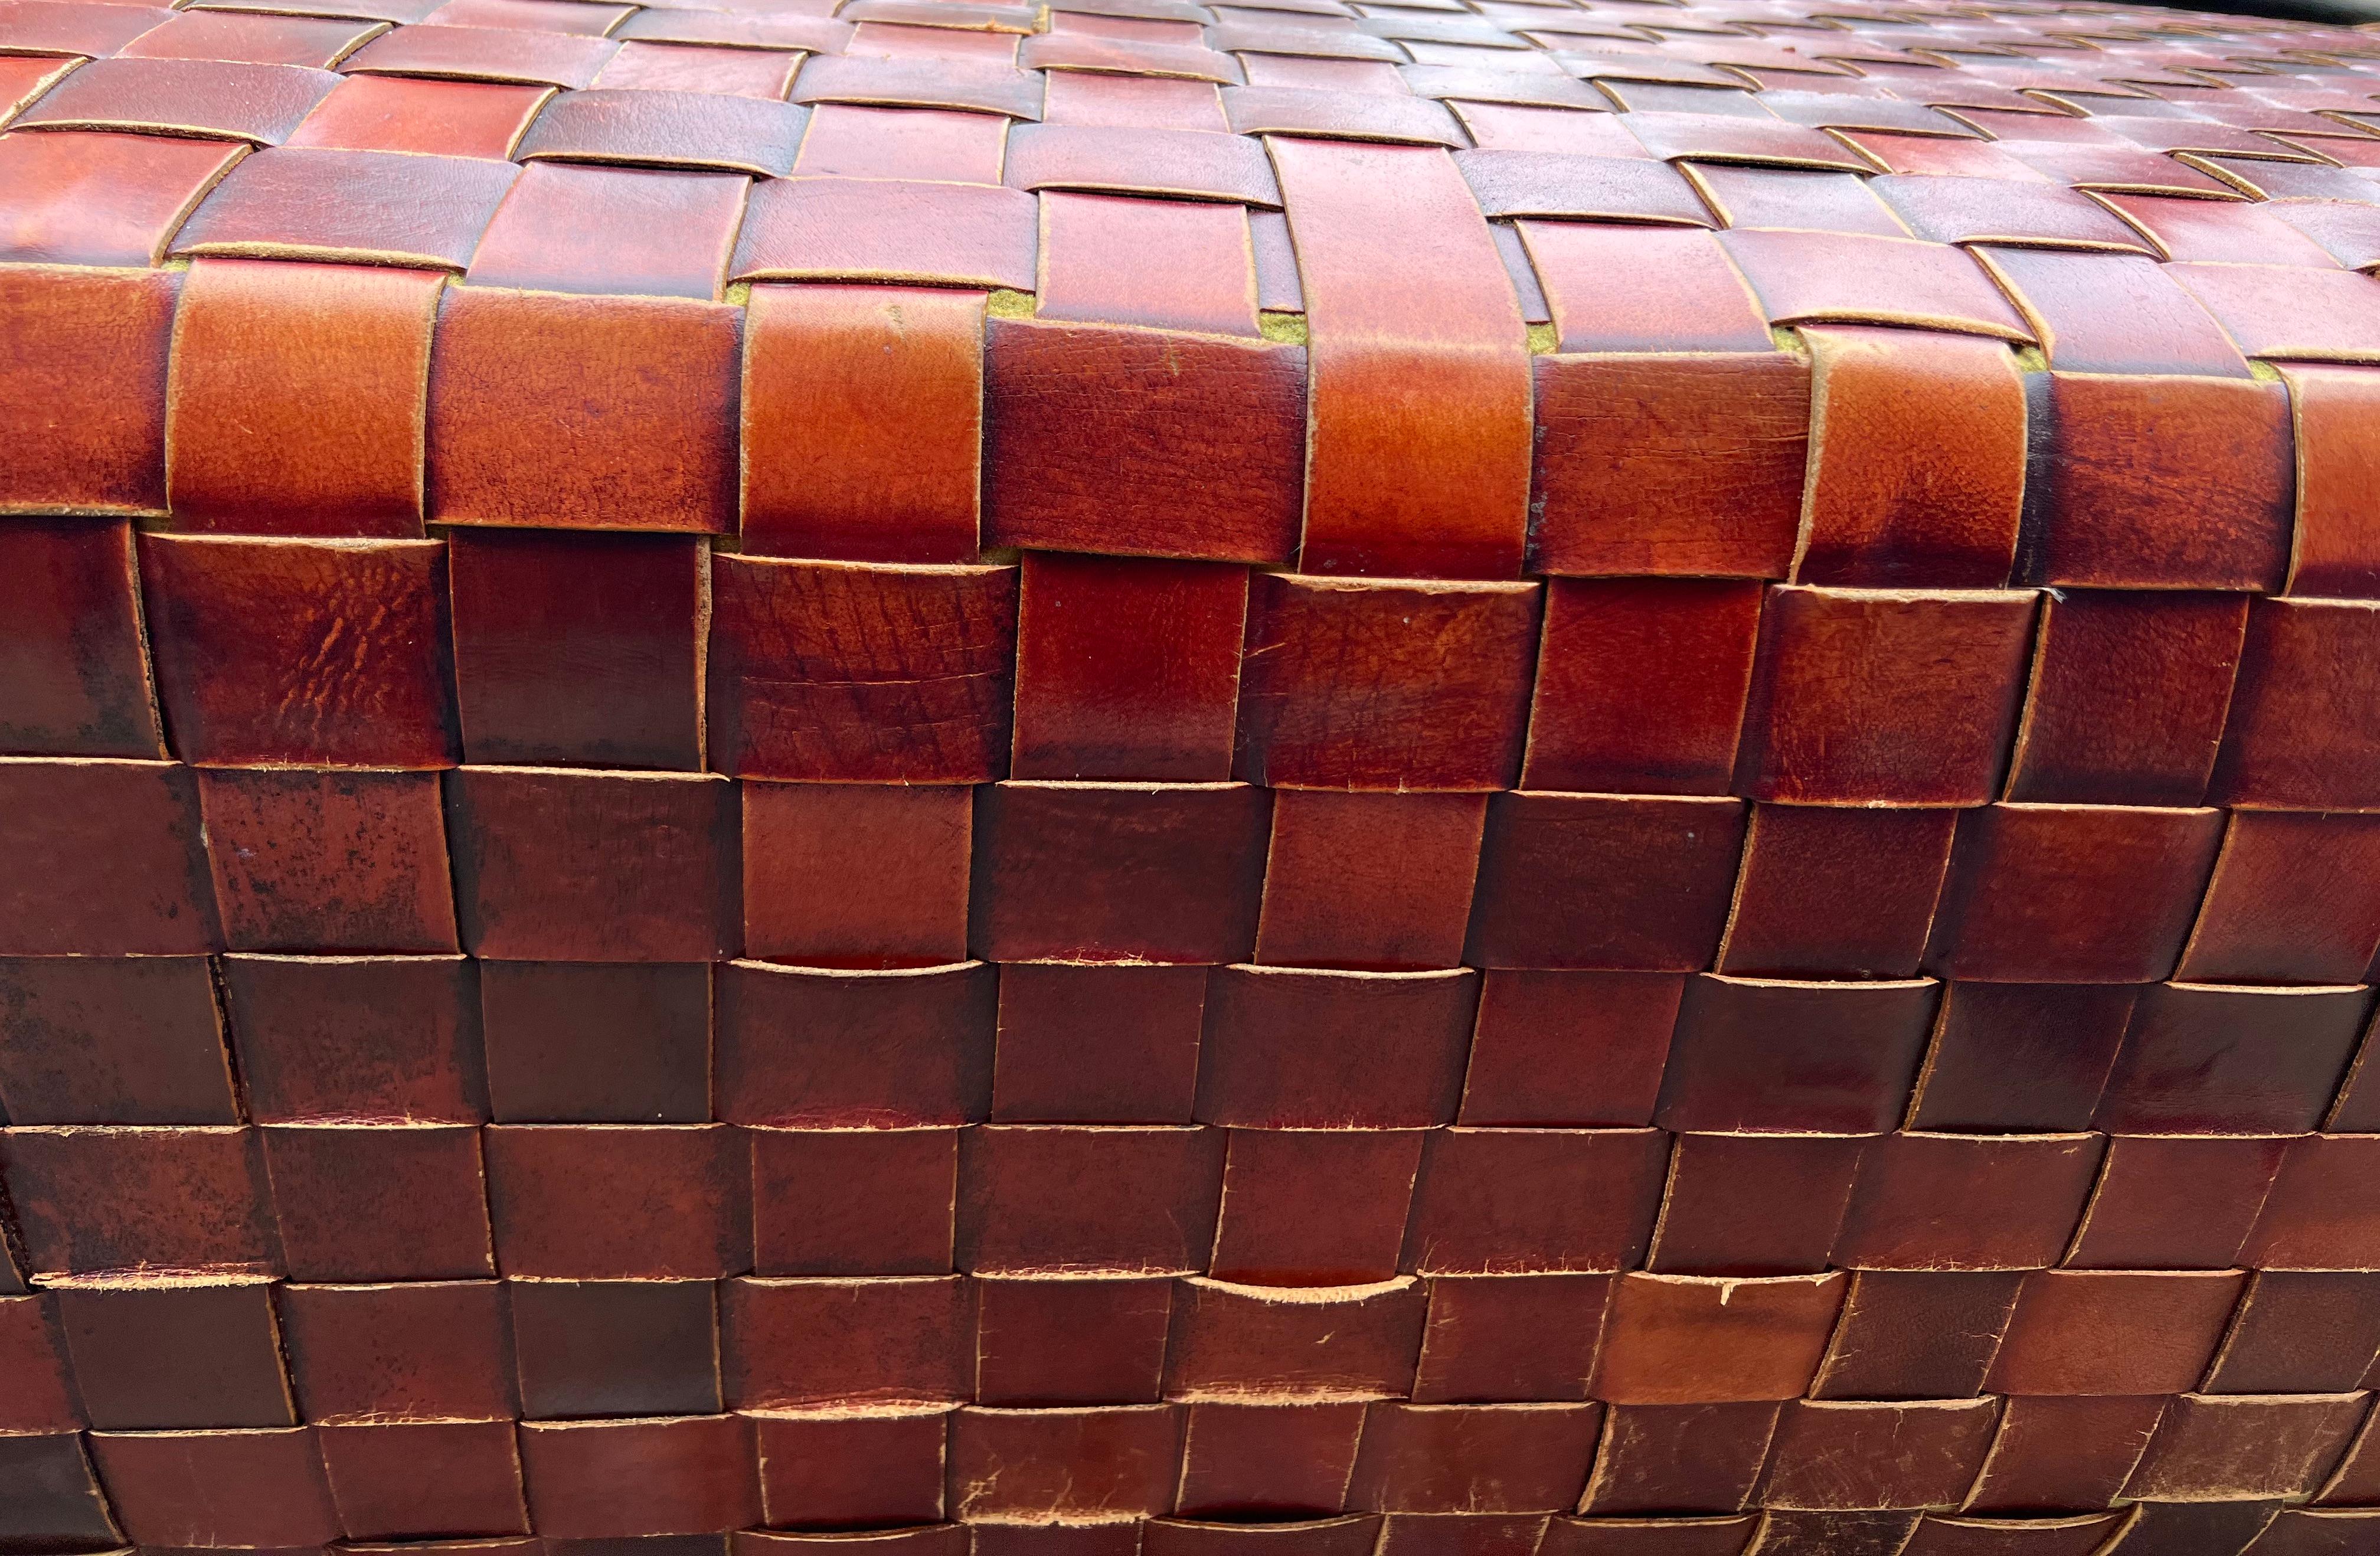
<point>1147,778</point>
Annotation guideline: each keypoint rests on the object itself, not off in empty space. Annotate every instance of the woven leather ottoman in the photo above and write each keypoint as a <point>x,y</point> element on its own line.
<point>1285,778</point>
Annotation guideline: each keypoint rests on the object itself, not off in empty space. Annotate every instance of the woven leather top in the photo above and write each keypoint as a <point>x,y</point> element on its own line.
<point>1299,778</point>
<point>1385,226</point>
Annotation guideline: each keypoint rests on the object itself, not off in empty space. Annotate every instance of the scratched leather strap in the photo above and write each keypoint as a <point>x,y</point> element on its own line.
<point>1418,426</point>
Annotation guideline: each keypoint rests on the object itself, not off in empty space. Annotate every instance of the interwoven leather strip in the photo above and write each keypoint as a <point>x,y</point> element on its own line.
<point>1297,778</point>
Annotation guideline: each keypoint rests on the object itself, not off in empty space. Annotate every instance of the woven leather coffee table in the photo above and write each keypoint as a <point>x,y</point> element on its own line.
<point>1290,778</point>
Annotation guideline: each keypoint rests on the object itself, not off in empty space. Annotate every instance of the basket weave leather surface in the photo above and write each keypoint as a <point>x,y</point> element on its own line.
<point>1261,780</point>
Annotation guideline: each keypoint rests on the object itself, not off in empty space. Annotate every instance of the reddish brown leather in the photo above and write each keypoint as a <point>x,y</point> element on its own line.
<point>1156,779</point>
